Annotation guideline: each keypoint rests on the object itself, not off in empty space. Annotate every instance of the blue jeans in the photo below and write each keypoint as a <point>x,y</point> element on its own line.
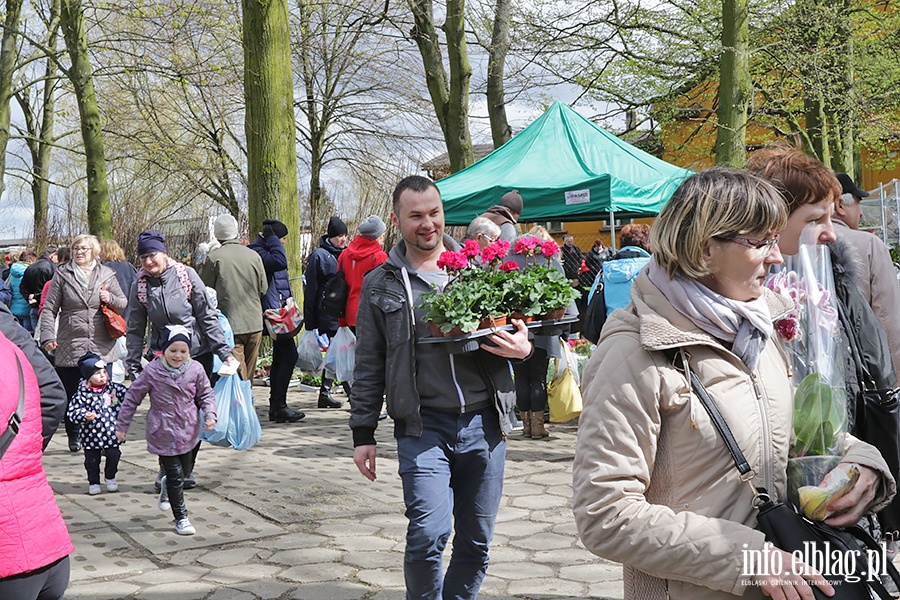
<point>453,473</point>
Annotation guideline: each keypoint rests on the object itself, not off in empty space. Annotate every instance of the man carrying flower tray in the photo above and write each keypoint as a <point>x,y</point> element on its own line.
<point>449,410</point>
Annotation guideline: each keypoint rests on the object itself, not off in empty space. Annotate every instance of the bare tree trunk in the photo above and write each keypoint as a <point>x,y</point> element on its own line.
<point>269,121</point>
<point>8,54</point>
<point>80,74</point>
<point>450,98</point>
<point>734,85</point>
<point>501,132</point>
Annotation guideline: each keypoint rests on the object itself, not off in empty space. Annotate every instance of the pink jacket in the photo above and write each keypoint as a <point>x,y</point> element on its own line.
<point>173,424</point>
<point>32,531</point>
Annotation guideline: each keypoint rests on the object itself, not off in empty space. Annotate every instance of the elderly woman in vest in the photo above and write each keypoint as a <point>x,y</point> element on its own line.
<point>77,291</point>
<point>167,292</point>
<point>655,487</point>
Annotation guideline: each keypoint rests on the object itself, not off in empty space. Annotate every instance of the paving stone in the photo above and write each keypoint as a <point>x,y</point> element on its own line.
<point>515,489</point>
<point>591,573</point>
<point>353,544</point>
<point>231,594</point>
<point>176,591</point>
<point>383,578</point>
<point>305,556</point>
<point>543,541</point>
<point>564,556</point>
<point>171,575</point>
<point>520,570</point>
<point>538,502</point>
<point>377,560</point>
<point>238,574</point>
<point>507,554</point>
<point>224,558</point>
<point>516,529</point>
<point>293,540</point>
<point>266,590</point>
<point>546,588</point>
<point>340,530</point>
<point>608,590</point>
<point>100,589</point>
<point>317,572</point>
<point>341,590</point>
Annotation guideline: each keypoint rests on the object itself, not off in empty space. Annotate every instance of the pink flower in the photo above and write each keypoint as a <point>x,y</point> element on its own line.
<point>471,248</point>
<point>509,266</point>
<point>788,328</point>
<point>452,261</point>
<point>526,245</point>
<point>549,248</point>
<point>495,251</point>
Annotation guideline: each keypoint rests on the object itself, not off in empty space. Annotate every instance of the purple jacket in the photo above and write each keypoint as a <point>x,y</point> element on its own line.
<point>173,425</point>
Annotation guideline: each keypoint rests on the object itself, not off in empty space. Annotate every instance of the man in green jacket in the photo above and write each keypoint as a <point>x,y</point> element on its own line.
<point>237,274</point>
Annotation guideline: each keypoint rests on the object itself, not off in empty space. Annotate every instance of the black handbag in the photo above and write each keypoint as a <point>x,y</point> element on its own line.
<point>792,532</point>
<point>877,420</point>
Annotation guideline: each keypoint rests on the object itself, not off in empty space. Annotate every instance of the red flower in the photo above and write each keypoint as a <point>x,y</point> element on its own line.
<point>509,266</point>
<point>495,251</point>
<point>788,328</point>
<point>549,248</point>
<point>526,245</point>
<point>452,261</point>
<point>471,248</point>
<point>583,268</point>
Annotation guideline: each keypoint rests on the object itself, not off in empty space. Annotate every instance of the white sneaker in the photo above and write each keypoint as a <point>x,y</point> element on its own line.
<point>184,527</point>
<point>94,489</point>
<point>163,502</point>
<point>111,485</point>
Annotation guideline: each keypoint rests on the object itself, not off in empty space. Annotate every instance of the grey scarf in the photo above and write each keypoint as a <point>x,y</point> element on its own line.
<point>747,326</point>
<point>173,372</point>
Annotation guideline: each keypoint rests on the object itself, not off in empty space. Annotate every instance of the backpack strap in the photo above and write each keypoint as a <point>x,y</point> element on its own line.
<point>15,419</point>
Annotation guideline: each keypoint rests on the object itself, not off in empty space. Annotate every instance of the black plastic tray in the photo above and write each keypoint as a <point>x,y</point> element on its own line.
<point>469,342</point>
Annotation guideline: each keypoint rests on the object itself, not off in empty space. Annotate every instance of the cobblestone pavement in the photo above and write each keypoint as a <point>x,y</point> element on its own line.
<point>292,518</point>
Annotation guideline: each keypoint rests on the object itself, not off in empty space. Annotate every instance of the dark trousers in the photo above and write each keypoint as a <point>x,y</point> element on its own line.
<point>46,583</point>
<point>284,358</point>
<point>70,376</point>
<point>531,382</point>
<point>176,467</point>
<point>92,463</point>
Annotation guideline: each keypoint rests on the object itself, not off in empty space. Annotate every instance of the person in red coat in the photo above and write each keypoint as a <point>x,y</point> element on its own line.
<point>362,255</point>
<point>34,541</point>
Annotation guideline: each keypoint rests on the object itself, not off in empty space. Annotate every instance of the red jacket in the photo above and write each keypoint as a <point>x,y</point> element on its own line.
<point>32,531</point>
<point>361,256</point>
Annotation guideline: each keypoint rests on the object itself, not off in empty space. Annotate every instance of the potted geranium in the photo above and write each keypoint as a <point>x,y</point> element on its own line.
<point>538,288</point>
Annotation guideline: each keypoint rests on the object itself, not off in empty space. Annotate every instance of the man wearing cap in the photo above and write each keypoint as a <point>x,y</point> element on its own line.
<point>877,279</point>
<point>269,244</point>
<point>239,278</point>
<point>321,267</point>
<point>506,215</point>
<point>362,255</point>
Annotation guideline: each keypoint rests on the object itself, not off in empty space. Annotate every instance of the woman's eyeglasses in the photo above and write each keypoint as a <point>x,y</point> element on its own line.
<point>81,248</point>
<point>765,246</point>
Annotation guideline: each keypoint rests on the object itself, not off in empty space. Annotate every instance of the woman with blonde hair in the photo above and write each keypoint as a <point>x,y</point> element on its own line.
<point>77,291</point>
<point>655,486</point>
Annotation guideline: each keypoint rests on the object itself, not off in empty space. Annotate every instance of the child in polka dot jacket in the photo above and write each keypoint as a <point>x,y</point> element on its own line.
<point>95,406</point>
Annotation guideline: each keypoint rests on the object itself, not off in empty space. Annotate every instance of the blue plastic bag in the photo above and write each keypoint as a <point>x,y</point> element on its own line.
<point>218,435</point>
<point>244,430</point>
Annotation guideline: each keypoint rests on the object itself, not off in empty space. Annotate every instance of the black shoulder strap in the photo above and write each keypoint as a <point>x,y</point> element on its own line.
<point>677,358</point>
<point>15,419</point>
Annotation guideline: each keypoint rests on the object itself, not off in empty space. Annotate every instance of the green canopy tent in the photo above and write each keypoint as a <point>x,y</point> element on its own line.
<point>566,168</point>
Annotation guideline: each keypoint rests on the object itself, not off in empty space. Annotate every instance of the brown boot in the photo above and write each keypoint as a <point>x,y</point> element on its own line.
<point>538,430</point>
<point>526,423</point>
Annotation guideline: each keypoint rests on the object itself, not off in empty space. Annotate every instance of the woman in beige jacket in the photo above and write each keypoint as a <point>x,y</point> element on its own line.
<point>654,485</point>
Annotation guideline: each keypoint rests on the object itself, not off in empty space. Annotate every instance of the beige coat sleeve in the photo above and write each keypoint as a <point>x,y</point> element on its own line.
<point>868,455</point>
<point>618,436</point>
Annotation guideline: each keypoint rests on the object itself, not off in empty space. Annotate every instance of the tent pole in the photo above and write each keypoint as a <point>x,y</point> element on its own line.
<point>612,230</point>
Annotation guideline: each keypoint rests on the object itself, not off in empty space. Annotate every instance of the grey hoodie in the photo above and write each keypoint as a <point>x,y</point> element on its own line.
<point>419,374</point>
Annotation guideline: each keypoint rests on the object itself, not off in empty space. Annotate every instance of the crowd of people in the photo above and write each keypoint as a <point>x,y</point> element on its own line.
<point>654,486</point>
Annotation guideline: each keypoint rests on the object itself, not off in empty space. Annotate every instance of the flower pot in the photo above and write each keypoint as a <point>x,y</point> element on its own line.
<point>556,313</point>
<point>492,322</point>
<point>522,317</point>
<point>437,332</point>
